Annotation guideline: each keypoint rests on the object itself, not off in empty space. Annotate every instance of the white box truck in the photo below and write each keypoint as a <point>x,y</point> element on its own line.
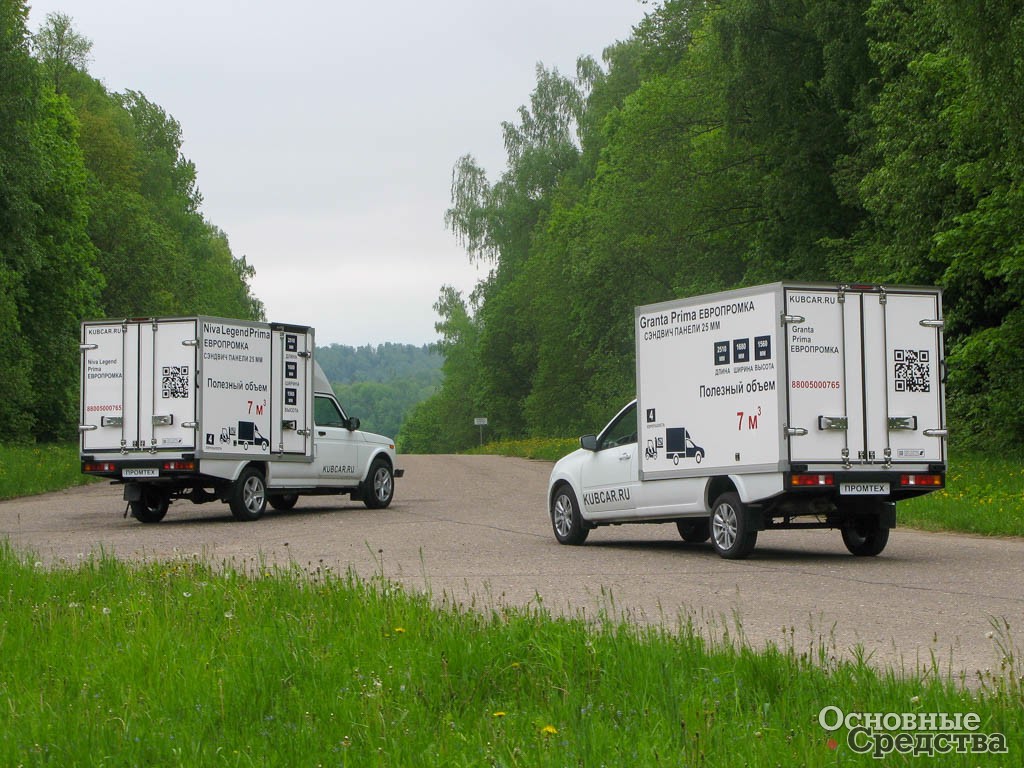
<point>212,409</point>
<point>790,405</point>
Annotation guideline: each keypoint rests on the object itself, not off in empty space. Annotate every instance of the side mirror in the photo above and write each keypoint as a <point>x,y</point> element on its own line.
<point>588,442</point>
<point>353,424</point>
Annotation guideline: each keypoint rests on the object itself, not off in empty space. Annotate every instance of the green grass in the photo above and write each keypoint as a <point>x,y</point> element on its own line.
<point>983,494</point>
<point>547,449</point>
<point>107,663</point>
<point>31,469</point>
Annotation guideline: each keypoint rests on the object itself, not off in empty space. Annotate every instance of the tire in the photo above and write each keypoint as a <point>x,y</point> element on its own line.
<point>730,528</point>
<point>865,536</point>
<point>248,498</point>
<point>152,507</point>
<point>566,521</point>
<point>379,488</point>
<point>694,530</point>
<point>283,503</point>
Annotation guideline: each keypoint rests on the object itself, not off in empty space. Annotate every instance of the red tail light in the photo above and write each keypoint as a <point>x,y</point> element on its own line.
<point>812,481</point>
<point>928,481</point>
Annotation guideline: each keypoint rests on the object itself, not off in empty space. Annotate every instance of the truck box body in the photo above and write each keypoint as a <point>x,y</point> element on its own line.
<point>209,387</point>
<point>768,378</point>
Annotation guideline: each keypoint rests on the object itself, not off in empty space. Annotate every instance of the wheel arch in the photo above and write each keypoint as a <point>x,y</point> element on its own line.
<point>379,453</point>
<point>716,486</point>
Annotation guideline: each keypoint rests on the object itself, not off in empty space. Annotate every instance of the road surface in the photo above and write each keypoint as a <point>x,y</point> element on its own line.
<point>474,530</point>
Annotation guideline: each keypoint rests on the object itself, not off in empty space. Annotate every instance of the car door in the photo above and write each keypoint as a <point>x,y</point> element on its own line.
<point>337,447</point>
<point>609,476</point>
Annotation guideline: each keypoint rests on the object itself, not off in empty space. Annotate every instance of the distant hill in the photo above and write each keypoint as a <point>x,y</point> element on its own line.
<point>381,384</point>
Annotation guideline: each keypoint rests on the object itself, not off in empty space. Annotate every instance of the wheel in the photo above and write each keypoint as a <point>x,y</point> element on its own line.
<point>865,536</point>
<point>699,456</point>
<point>379,488</point>
<point>152,507</point>
<point>729,528</point>
<point>565,517</point>
<point>694,530</point>
<point>283,503</point>
<point>248,495</point>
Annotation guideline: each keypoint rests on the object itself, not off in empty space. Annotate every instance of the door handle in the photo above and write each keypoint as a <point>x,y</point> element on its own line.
<point>624,457</point>
<point>321,433</point>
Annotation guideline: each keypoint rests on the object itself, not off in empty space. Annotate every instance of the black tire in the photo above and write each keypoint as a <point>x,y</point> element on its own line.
<point>248,498</point>
<point>695,530</point>
<point>379,488</point>
<point>566,521</point>
<point>865,536</point>
<point>152,507</point>
<point>730,528</point>
<point>283,503</point>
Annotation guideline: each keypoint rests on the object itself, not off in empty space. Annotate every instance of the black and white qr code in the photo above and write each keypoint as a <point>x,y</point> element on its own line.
<point>912,370</point>
<point>175,381</point>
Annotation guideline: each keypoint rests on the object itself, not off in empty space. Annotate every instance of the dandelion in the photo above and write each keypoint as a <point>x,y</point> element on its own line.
<point>399,630</point>
<point>915,699</point>
<point>229,615</point>
<point>499,713</point>
<point>186,594</point>
<point>106,611</point>
<point>549,730</point>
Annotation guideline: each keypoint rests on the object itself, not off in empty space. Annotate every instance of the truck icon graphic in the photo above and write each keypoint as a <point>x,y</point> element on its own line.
<point>248,434</point>
<point>679,444</point>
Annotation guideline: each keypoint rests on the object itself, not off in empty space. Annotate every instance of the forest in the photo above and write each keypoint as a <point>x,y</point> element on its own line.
<point>381,384</point>
<point>99,217</point>
<point>721,143</point>
<point>727,143</point>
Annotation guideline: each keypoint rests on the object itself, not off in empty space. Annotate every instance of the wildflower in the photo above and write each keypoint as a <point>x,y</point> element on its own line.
<point>229,615</point>
<point>915,699</point>
<point>186,594</point>
<point>106,611</point>
<point>549,730</point>
<point>499,713</point>
<point>399,630</point>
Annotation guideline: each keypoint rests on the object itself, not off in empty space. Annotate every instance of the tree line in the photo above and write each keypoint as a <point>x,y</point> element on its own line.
<point>732,143</point>
<point>381,384</point>
<point>99,217</point>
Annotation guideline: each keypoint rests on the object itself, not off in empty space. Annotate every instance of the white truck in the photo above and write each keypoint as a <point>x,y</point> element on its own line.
<point>790,405</point>
<point>212,409</point>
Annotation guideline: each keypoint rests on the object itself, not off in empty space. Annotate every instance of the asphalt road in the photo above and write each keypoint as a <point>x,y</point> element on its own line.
<point>474,530</point>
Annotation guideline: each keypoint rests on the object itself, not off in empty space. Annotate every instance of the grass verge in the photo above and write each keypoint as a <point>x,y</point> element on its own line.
<point>184,664</point>
<point>546,449</point>
<point>26,470</point>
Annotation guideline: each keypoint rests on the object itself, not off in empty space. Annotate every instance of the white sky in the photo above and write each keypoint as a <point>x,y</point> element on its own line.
<point>324,133</point>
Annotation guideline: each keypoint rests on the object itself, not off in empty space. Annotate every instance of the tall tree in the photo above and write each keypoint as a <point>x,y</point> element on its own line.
<point>60,49</point>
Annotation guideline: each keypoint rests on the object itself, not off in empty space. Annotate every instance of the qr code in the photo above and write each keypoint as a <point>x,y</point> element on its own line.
<point>175,381</point>
<point>913,370</point>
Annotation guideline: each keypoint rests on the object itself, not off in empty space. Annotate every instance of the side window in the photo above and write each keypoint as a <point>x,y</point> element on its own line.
<point>326,413</point>
<point>622,431</point>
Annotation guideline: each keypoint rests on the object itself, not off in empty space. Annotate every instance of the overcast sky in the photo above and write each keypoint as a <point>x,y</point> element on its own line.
<point>324,133</point>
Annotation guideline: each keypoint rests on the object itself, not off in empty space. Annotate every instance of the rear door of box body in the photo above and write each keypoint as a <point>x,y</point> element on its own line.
<point>864,376</point>
<point>139,386</point>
